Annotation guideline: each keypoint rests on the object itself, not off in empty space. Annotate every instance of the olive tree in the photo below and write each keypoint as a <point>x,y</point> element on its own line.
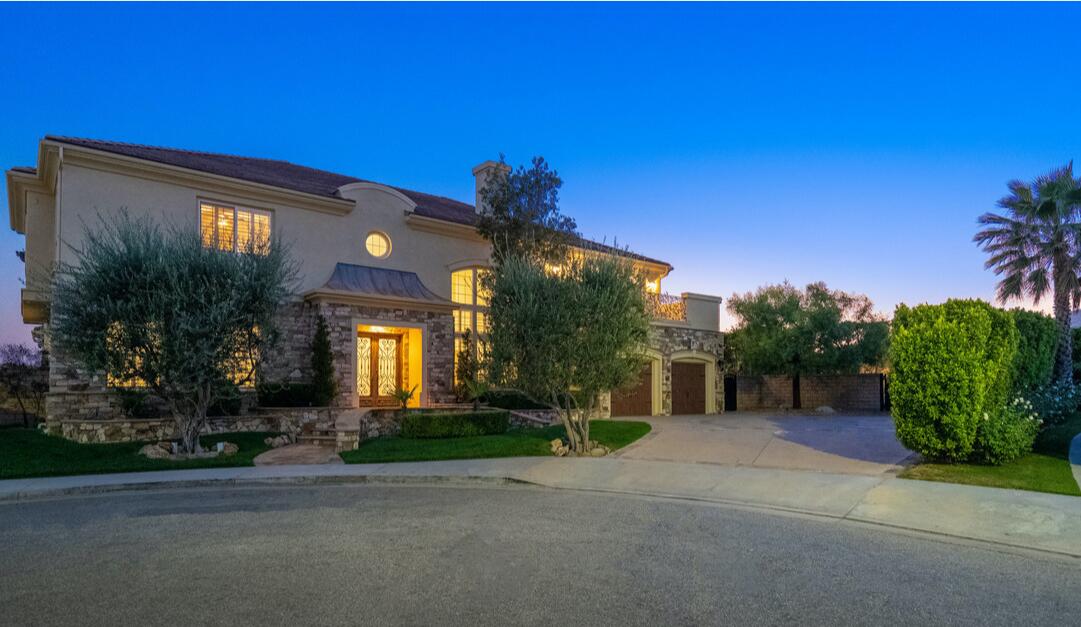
<point>153,307</point>
<point>565,338</point>
<point>782,329</point>
<point>521,216</point>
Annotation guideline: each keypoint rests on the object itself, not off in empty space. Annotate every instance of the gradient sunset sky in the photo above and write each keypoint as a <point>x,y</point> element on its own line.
<point>854,144</point>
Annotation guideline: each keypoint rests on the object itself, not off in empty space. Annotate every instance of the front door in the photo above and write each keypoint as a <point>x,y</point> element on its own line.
<point>379,371</point>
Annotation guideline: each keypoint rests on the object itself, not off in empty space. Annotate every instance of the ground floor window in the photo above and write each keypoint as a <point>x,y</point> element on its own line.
<point>468,290</point>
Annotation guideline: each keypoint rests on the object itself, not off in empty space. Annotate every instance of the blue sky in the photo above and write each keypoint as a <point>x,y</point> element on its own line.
<point>745,144</point>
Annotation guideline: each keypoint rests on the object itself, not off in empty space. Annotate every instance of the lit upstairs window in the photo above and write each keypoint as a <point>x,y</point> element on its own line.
<point>234,229</point>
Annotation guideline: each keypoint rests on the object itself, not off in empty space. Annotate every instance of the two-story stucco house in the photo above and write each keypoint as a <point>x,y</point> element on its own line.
<point>393,271</point>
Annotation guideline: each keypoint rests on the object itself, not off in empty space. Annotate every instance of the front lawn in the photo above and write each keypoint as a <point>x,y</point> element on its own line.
<point>30,453</point>
<point>614,434</point>
<point>1045,469</point>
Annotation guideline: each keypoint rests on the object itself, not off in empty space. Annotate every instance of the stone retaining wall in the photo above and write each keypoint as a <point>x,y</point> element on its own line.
<point>278,420</point>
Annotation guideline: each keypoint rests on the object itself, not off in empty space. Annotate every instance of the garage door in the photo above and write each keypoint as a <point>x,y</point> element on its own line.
<point>636,401</point>
<point>688,388</point>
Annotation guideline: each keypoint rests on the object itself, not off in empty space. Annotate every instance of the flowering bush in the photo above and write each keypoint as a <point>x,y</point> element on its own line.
<point>1007,434</point>
<point>1053,403</point>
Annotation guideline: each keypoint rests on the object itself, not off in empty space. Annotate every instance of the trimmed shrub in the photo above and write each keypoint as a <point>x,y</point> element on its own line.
<point>1006,435</point>
<point>454,424</point>
<point>1035,359</point>
<point>510,399</point>
<point>466,367</point>
<point>324,386</point>
<point>286,395</point>
<point>952,363</point>
<point>136,403</point>
<point>229,406</point>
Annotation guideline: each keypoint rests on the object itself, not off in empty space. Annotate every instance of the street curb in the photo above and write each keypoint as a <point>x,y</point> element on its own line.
<point>239,482</point>
<point>379,479</point>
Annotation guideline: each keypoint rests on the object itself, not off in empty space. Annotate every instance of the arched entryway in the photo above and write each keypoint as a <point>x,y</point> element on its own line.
<point>694,383</point>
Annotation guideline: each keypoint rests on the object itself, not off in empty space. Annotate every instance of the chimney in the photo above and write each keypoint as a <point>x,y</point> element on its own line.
<point>482,174</point>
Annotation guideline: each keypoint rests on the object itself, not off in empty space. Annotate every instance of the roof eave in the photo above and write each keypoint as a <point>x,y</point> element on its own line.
<point>42,180</point>
<point>135,165</point>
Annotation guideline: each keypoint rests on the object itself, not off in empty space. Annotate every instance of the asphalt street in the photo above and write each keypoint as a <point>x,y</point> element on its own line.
<point>468,555</point>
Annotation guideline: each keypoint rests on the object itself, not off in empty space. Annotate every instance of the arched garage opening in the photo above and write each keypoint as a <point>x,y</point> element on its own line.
<point>694,383</point>
<point>644,398</point>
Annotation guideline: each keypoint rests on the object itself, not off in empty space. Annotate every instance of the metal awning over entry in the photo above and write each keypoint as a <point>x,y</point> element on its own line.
<point>379,286</point>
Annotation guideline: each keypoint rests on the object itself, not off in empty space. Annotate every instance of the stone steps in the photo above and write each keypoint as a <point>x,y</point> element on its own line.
<point>322,438</point>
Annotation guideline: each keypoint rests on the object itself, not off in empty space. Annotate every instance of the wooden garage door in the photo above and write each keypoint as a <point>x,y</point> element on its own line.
<point>636,401</point>
<point>688,388</point>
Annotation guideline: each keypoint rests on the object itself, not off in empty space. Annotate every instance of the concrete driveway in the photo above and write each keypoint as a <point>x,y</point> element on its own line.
<point>852,444</point>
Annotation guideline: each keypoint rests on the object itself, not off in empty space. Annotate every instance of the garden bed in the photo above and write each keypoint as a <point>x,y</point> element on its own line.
<point>30,453</point>
<point>614,434</point>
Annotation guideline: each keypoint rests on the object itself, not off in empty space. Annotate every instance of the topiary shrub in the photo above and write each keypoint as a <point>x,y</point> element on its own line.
<point>1004,436</point>
<point>1035,359</point>
<point>952,363</point>
<point>454,424</point>
<point>324,386</point>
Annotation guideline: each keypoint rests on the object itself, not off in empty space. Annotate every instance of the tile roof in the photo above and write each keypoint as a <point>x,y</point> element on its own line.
<point>299,178</point>
<point>382,282</point>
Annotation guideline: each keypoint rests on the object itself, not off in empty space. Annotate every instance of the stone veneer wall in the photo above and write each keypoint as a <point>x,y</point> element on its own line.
<point>667,340</point>
<point>79,397</point>
<point>291,361</point>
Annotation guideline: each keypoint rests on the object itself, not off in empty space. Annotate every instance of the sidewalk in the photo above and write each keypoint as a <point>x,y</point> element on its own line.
<point>1015,518</point>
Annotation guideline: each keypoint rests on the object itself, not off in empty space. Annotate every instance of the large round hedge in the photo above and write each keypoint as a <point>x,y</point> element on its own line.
<point>951,367</point>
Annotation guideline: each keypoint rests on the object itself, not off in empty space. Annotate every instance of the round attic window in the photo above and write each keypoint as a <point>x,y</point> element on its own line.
<point>378,245</point>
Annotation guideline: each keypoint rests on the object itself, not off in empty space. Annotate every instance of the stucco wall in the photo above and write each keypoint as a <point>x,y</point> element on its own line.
<point>318,240</point>
<point>40,240</point>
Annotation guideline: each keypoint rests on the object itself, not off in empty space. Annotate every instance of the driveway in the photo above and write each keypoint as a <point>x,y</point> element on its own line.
<point>852,444</point>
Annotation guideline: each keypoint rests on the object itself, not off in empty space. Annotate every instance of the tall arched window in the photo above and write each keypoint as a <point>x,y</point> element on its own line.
<point>467,289</point>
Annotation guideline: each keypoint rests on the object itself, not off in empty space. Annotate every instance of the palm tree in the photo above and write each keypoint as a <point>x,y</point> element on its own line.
<point>1036,249</point>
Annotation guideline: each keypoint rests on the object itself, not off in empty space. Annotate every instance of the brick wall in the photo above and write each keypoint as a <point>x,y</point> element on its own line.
<point>763,392</point>
<point>852,392</point>
<point>841,392</point>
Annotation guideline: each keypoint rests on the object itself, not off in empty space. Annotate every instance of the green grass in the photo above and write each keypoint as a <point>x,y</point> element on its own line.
<point>30,453</point>
<point>1045,469</point>
<point>614,434</point>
